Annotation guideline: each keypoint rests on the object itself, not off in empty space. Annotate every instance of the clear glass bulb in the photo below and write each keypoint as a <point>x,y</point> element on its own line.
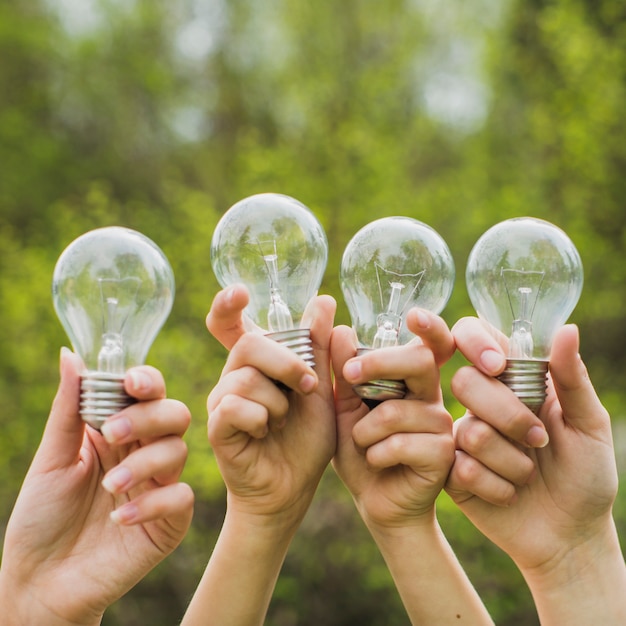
<point>388,267</point>
<point>524,276</point>
<point>275,246</point>
<point>113,289</point>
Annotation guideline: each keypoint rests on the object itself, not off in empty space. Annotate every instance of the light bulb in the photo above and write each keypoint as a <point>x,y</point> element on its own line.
<point>113,289</point>
<point>524,277</point>
<point>275,246</point>
<point>388,267</point>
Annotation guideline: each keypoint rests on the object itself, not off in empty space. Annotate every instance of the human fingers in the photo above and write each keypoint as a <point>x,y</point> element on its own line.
<point>173,502</point>
<point>481,345</point>
<point>396,419</point>
<point>225,320</point>
<point>433,332</point>
<point>274,360</point>
<point>64,430</point>
<point>579,402</point>
<point>420,450</point>
<point>468,478</point>
<point>148,420</point>
<point>144,382</point>
<point>413,363</point>
<point>498,406</point>
<point>245,401</point>
<point>319,316</point>
<point>484,443</point>
<point>162,461</point>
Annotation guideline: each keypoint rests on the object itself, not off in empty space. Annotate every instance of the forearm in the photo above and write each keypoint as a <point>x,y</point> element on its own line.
<point>431,582</point>
<point>585,586</point>
<point>239,580</point>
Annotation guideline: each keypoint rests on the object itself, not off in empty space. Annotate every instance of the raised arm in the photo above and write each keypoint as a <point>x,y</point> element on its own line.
<point>548,506</point>
<point>272,447</point>
<point>73,545</point>
<point>395,459</point>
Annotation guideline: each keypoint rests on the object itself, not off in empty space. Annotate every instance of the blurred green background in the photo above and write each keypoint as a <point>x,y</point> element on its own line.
<point>159,115</point>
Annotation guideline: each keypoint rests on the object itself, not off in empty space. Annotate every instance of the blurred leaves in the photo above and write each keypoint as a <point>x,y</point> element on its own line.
<point>159,116</point>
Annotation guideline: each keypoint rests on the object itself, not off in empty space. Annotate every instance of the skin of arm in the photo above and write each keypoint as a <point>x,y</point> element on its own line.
<point>272,447</point>
<point>395,458</point>
<point>547,504</point>
<point>73,545</point>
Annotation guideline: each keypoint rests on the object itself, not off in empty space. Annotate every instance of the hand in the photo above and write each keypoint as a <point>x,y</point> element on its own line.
<point>73,547</point>
<point>395,458</point>
<point>548,506</point>
<point>557,493</point>
<point>272,446</point>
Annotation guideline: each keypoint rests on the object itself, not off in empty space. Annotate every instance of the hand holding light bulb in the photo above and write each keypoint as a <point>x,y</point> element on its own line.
<point>275,246</point>
<point>388,267</point>
<point>113,289</point>
<point>96,511</point>
<point>524,276</point>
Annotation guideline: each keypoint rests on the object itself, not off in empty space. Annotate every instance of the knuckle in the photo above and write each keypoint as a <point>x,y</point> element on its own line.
<point>399,444</point>
<point>389,415</point>
<point>466,470</point>
<point>442,419</point>
<point>476,437</point>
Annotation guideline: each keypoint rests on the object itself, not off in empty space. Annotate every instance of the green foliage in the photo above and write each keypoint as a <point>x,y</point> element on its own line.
<point>135,120</point>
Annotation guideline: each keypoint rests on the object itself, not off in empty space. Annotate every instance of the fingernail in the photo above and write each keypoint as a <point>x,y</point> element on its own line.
<point>124,514</point>
<point>352,370</point>
<point>423,321</point>
<point>307,383</point>
<point>117,479</point>
<point>537,437</point>
<point>140,380</point>
<point>492,361</point>
<point>229,294</point>
<point>116,429</point>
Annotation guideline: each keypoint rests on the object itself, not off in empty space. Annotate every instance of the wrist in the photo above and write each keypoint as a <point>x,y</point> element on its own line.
<point>395,529</point>
<point>583,584</point>
<point>283,520</point>
<point>23,605</point>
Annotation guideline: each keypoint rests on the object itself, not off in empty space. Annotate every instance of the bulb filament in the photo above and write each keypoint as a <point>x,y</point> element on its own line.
<point>522,303</point>
<point>111,355</point>
<point>389,322</point>
<point>278,315</point>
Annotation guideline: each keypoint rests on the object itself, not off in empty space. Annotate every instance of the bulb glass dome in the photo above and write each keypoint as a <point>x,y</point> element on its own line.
<point>276,247</point>
<point>524,277</point>
<point>389,266</point>
<point>112,289</point>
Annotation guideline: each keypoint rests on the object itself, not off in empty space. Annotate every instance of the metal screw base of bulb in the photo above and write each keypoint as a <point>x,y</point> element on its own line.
<point>375,391</point>
<point>379,390</point>
<point>527,379</point>
<point>298,340</point>
<point>102,395</point>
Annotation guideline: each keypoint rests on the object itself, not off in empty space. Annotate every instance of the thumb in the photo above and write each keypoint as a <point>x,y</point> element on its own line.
<point>225,320</point>
<point>579,402</point>
<point>64,431</point>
